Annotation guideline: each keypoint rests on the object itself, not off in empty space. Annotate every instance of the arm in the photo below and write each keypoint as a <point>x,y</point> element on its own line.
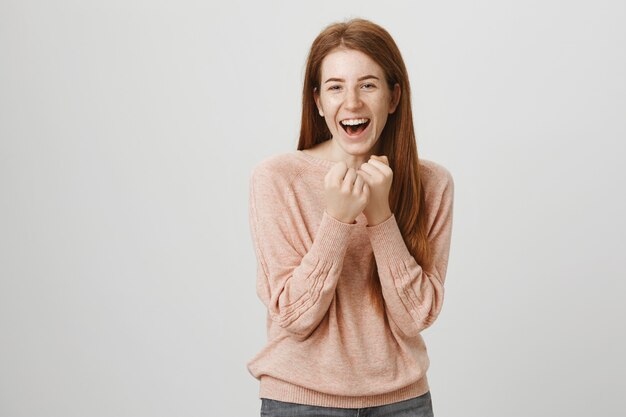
<point>413,296</point>
<point>295,284</point>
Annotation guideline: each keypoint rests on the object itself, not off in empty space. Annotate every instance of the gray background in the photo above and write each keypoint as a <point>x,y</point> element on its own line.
<point>128,131</point>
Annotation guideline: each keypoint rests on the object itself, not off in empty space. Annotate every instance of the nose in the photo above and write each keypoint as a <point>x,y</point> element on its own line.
<point>353,99</point>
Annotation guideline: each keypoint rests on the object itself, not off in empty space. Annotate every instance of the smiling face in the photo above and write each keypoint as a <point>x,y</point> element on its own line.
<point>354,99</point>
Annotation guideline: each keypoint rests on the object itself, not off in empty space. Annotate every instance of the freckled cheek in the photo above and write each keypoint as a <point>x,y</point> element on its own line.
<point>331,110</point>
<point>334,101</point>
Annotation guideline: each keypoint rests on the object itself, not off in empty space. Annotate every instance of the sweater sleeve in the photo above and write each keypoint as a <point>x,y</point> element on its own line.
<point>414,296</point>
<point>295,284</point>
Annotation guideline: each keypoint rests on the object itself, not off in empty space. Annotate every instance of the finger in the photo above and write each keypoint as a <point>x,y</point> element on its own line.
<point>336,174</point>
<point>371,169</point>
<point>358,185</point>
<point>366,176</point>
<point>381,158</point>
<point>380,165</point>
<point>350,177</point>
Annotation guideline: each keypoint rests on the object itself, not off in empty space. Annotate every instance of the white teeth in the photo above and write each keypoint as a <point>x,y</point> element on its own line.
<point>352,122</point>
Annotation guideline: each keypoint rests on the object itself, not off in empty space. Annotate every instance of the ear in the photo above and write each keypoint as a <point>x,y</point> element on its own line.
<point>395,98</point>
<point>318,103</point>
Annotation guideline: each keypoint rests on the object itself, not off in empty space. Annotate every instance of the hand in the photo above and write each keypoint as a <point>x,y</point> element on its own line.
<point>345,192</point>
<point>378,176</point>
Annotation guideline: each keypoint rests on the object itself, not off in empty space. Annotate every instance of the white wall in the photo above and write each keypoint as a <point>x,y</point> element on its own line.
<point>127,133</point>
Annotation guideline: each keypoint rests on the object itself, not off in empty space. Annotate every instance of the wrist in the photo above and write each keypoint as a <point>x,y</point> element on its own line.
<point>378,218</point>
<point>340,218</point>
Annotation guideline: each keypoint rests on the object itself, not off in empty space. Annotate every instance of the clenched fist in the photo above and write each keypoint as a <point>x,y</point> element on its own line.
<point>346,193</point>
<point>378,176</point>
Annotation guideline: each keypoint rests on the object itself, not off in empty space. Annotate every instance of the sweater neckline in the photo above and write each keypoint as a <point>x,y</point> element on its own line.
<point>314,159</point>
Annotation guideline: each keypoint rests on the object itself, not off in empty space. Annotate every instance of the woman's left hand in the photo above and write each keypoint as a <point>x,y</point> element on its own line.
<point>378,176</point>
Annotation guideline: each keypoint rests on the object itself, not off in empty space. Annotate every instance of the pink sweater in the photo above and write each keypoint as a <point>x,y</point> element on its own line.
<point>327,345</point>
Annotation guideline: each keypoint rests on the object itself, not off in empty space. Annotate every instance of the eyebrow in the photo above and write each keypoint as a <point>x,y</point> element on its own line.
<point>365,77</point>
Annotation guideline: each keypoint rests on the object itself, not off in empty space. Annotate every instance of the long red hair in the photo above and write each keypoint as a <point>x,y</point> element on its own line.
<point>397,139</point>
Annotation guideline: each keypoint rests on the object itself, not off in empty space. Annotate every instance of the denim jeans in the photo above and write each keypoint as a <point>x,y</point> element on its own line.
<point>414,407</point>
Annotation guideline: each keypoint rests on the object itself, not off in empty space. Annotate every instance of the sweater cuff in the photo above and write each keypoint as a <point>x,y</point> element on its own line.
<point>387,242</point>
<point>331,241</point>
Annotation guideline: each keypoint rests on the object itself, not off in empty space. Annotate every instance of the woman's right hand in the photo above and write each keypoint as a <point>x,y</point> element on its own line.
<point>346,193</point>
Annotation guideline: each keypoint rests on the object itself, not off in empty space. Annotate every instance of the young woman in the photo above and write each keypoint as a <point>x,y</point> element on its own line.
<point>352,235</point>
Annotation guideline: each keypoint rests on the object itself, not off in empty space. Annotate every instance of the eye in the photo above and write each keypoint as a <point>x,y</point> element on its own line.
<point>334,87</point>
<point>369,85</point>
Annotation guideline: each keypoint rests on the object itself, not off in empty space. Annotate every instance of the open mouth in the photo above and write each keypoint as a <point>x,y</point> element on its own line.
<point>354,127</point>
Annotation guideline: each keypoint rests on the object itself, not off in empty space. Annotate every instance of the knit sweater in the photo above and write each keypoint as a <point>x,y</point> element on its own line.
<point>326,343</point>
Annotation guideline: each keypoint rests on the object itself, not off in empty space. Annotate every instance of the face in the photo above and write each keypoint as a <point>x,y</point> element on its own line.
<point>354,99</point>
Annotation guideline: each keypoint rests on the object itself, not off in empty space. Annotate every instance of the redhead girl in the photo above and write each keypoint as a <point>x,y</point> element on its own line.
<point>352,235</point>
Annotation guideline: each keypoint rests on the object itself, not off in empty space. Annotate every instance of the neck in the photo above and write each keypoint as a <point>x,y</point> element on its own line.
<point>335,153</point>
